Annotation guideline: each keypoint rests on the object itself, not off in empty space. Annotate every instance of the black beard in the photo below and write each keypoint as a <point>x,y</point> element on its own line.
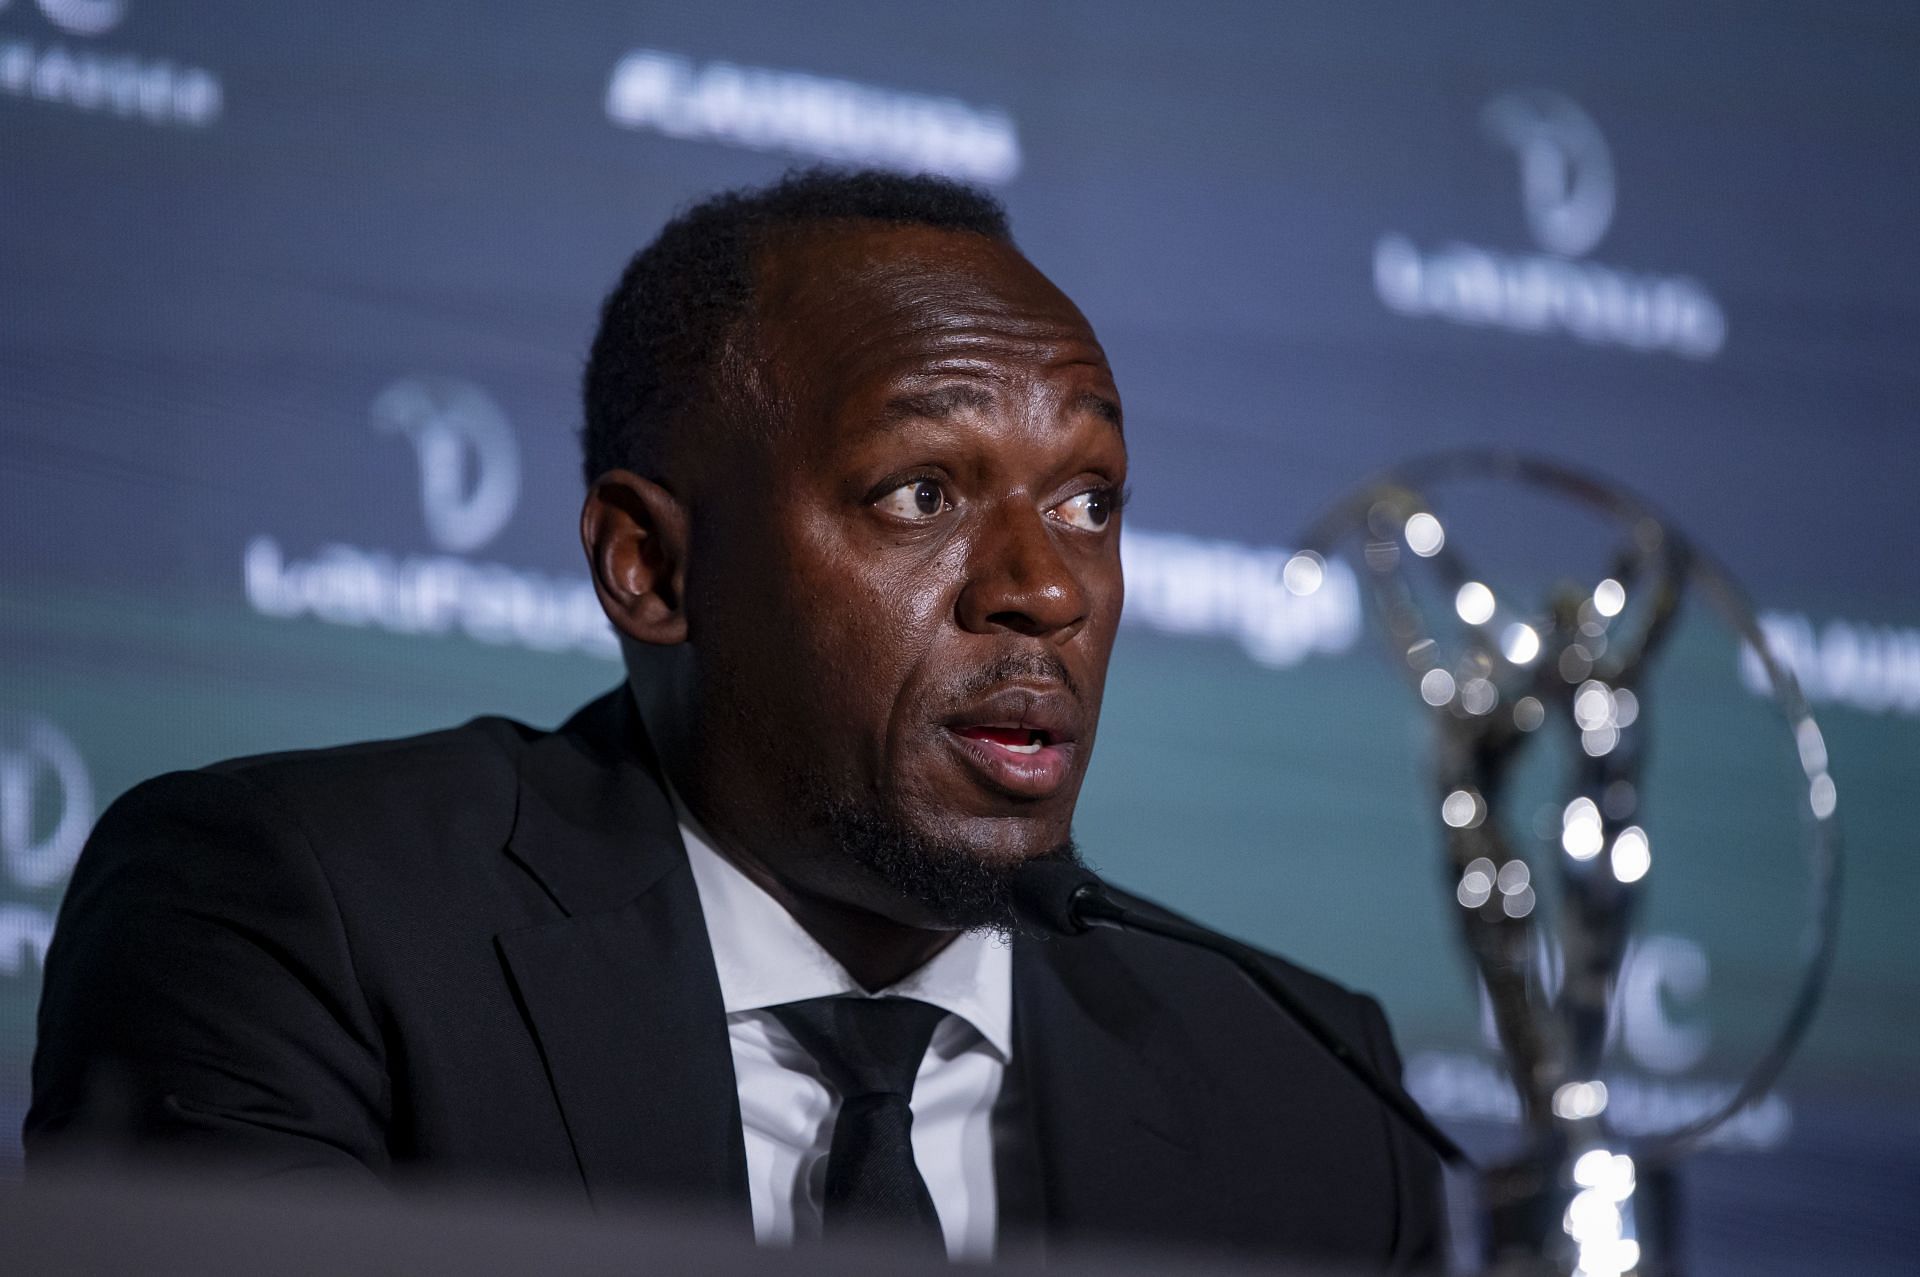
<point>956,886</point>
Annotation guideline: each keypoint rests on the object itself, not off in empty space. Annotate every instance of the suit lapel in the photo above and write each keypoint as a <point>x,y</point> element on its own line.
<point>621,993</point>
<point>622,996</point>
<point>1113,1123</point>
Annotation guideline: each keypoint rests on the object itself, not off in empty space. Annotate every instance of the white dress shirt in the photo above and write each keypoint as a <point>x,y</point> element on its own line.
<point>765,958</point>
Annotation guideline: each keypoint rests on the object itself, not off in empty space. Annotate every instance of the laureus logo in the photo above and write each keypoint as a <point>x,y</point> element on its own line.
<point>46,812</point>
<point>1658,1025</point>
<point>1869,666</point>
<point>46,802</point>
<point>1567,194</point>
<point>469,463</point>
<point>134,86</point>
<point>1566,172</point>
<point>81,17</point>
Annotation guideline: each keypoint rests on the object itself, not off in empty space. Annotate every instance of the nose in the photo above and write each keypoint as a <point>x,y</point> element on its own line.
<point>1018,579</point>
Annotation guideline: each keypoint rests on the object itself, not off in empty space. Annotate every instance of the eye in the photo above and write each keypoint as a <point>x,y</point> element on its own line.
<point>917,500</point>
<point>1089,511</point>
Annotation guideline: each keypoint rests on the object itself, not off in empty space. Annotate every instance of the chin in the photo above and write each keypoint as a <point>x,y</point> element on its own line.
<point>948,873</point>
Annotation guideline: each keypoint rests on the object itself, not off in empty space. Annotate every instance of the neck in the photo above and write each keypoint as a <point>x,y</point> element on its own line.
<point>876,950</point>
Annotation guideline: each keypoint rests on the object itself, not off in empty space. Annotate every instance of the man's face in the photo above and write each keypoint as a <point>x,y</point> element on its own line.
<point>901,601</point>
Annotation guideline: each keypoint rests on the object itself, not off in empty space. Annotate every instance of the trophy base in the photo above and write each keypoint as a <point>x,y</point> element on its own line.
<point>1584,1211</point>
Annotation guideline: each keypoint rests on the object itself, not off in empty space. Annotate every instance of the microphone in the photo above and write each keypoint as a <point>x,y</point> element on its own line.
<point>1065,899</point>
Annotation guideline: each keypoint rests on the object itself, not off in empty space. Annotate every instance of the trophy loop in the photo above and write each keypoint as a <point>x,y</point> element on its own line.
<point>1492,676</point>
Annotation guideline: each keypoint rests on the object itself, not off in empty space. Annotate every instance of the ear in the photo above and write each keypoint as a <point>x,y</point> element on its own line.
<point>635,534</point>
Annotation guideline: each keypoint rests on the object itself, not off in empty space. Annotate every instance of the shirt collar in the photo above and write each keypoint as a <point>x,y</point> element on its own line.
<point>765,958</point>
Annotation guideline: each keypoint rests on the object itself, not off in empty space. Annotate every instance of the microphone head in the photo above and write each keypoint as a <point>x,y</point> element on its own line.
<point>1046,895</point>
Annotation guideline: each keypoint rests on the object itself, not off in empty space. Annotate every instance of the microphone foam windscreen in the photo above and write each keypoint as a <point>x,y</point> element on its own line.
<point>1043,895</point>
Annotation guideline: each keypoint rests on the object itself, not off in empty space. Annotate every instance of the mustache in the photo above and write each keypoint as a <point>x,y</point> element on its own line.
<point>1011,667</point>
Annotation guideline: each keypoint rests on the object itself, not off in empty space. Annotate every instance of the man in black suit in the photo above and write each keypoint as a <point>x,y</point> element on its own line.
<point>732,935</point>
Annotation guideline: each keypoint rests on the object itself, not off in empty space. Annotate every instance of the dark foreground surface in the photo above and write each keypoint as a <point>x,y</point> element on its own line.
<point>102,1226</point>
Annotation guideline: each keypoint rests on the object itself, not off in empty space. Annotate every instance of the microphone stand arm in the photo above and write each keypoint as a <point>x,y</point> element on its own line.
<point>1094,908</point>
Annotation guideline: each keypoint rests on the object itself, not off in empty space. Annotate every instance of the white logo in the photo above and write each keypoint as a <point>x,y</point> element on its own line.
<point>81,17</point>
<point>1566,174</point>
<point>469,463</point>
<point>46,802</point>
<point>1663,975</point>
<point>1567,192</point>
<point>1197,588</point>
<point>765,109</point>
<point>46,812</point>
<point>84,17</point>
<point>1871,667</point>
<point>469,485</point>
<point>1660,975</point>
<point>157,90</point>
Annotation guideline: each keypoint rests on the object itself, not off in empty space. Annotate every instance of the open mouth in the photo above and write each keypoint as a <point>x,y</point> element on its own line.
<point>1020,741</point>
<point>1017,761</point>
<point>1015,740</point>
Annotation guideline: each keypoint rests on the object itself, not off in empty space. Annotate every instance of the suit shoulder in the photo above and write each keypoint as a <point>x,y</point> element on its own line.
<point>451,754</point>
<point>448,788</point>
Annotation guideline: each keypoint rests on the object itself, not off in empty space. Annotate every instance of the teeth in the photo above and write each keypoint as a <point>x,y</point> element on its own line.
<point>1031,747</point>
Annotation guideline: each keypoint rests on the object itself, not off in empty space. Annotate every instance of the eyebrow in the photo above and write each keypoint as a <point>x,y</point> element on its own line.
<point>944,401</point>
<point>1100,406</point>
<point>934,405</point>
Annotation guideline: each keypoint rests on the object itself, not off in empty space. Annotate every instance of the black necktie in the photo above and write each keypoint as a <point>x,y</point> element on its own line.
<point>869,1049</point>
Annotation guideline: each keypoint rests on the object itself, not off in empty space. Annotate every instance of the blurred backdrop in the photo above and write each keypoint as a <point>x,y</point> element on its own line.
<point>296,299</point>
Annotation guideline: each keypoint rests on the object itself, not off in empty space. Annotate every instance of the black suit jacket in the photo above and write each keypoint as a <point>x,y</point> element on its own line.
<point>478,957</point>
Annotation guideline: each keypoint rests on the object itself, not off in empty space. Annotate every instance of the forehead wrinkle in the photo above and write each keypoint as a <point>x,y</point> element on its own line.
<point>940,404</point>
<point>965,344</point>
<point>840,326</point>
<point>927,374</point>
<point>928,391</point>
<point>932,331</point>
<point>915,343</point>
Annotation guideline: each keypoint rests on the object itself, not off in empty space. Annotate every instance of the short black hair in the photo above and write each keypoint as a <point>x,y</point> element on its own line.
<point>669,325</point>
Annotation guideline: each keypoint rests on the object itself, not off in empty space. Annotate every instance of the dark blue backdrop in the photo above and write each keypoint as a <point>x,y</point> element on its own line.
<point>295,299</point>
